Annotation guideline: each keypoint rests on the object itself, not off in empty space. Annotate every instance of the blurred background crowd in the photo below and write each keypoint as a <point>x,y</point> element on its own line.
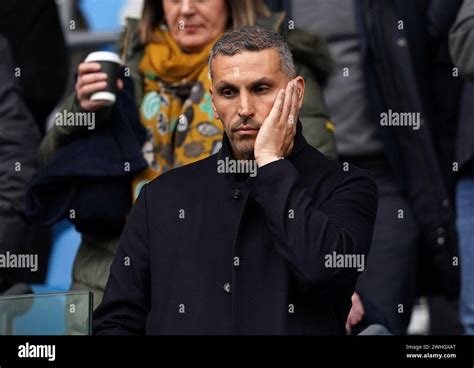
<point>64,193</point>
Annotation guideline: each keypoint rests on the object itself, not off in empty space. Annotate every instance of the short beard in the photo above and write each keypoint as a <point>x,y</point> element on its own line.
<point>243,151</point>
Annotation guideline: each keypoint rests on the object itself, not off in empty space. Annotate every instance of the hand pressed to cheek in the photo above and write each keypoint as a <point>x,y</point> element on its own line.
<point>275,138</point>
<point>291,121</point>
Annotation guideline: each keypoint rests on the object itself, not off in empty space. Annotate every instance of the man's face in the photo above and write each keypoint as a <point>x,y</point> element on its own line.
<point>244,88</point>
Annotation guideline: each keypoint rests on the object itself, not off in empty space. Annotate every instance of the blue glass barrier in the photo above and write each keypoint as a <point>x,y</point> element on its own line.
<point>65,313</point>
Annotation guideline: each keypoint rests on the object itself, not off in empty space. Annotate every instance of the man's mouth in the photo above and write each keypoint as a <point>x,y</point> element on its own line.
<point>246,130</point>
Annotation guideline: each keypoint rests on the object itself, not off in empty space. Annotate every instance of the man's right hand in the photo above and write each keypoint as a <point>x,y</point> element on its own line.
<point>89,81</point>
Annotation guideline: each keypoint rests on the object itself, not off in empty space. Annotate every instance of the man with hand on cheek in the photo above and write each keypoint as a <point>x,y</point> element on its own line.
<point>212,252</point>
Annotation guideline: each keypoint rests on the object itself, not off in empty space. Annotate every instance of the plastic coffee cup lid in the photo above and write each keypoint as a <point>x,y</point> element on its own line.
<point>103,56</point>
<point>108,97</point>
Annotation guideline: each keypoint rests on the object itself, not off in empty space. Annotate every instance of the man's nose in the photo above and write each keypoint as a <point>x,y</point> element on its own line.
<point>246,106</point>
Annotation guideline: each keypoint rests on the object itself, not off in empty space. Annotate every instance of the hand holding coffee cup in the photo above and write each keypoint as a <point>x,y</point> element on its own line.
<point>98,80</point>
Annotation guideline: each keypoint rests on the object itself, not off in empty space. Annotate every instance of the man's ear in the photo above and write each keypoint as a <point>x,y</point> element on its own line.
<point>300,91</point>
<point>214,110</point>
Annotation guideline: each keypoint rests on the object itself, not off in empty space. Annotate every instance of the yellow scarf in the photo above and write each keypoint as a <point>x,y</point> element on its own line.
<point>176,109</point>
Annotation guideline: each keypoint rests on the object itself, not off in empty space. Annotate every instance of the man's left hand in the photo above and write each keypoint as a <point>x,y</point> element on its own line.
<point>356,313</point>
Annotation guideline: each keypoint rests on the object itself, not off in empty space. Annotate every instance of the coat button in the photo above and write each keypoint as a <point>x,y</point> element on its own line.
<point>236,194</point>
<point>227,288</point>
<point>402,42</point>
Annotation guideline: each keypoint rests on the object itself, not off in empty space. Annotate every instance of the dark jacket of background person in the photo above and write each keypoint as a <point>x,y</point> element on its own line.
<point>312,63</point>
<point>19,141</point>
<point>461,40</point>
<point>462,51</point>
<point>409,70</point>
<point>71,182</point>
<point>34,31</point>
<point>182,242</point>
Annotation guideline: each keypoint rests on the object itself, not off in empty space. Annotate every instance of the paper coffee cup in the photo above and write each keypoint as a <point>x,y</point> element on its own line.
<point>110,65</point>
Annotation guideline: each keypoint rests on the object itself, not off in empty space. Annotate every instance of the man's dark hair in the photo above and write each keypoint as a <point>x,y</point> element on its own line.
<point>254,39</point>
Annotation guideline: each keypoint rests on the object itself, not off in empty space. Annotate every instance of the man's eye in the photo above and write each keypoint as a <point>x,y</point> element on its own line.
<point>261,89</point>
<point>227,93</point>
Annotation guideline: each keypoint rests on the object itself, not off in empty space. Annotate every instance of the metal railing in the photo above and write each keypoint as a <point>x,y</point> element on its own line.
<point>85,39</point>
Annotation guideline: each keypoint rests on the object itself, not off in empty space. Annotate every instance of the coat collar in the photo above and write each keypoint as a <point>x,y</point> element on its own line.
<point>225,153</point>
